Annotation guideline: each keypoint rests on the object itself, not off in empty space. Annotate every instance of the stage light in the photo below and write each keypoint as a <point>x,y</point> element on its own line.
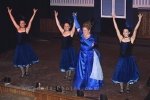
<point>103,97</point>
<point>58,88</point>
<point>38,85</point>
<point>80,93</point>
<point>6,80</point>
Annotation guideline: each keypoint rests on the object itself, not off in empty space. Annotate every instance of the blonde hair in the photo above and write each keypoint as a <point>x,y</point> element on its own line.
<point>87,25</point>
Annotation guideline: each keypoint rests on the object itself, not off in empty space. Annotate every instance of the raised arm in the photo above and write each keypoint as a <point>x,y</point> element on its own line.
<point>116,28</point>
<point>73,30</point>
<point>30,21</point>
<point>77,25</point>
<point>136,28</point>
<point>12,18</point>
<point>57,22</point>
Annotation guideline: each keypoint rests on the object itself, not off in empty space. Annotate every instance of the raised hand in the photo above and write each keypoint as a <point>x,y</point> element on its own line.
<point>77,25</point>
<point>12,18</point>
<point>113,15</point>
<point>74,14</point>
<point>136,28</point>
<point>31,19</point>
<point>34,10</point>
<point>57,22</point>
<point>116,26</point>
<point>140,16</point>
<point>9,10</point>
<point>55,13</point>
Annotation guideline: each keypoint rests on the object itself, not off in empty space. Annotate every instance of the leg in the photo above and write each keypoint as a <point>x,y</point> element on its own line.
<point>22,71</point>
<point>27,70</point>
<point>121,88</point>
<point>66,76</point>
<point>69,74</point>
<point>128,88</point>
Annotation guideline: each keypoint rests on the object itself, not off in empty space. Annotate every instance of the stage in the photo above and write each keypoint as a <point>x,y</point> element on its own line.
<point>48,74</point>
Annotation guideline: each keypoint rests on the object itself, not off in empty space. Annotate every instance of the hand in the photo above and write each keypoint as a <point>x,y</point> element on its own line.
<point>9,10</point>
<point>55,13</point>
<point>34,10</point>
<point>92,44</point>
<point>74,14</point>
<point>113,15</point>
<point>140,16</point>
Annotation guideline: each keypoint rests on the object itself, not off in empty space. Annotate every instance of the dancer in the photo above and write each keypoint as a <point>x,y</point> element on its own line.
<point>24,54</point>
<point>68,56</point>
<point>88,74</point>
<point>126,69</point>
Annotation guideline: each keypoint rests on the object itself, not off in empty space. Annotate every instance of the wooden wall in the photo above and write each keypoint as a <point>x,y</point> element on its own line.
<point>48,25</point>
<point>144,29</point>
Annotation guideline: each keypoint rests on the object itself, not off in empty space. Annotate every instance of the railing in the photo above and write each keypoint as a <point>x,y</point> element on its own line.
<point>79,3</point>
<point>141,4</point>
<point>36,94</point>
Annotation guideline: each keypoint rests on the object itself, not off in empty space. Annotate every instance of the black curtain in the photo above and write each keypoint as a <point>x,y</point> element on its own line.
<point>96,17</point>
<point>131,16</point>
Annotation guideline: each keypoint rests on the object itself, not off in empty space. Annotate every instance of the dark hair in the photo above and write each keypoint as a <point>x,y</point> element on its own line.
<point>68,21</point>
<point>21,18</point>
<point>128,28</point>
<point>87,24</point>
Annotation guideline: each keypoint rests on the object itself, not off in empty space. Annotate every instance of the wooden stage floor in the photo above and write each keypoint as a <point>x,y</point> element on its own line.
<point>48,74</point>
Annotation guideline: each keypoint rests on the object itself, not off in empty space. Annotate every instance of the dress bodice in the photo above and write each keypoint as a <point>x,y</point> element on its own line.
<point>125,48</point>
<point>66,41</point>
<point>87,44</point>
<point>22,38</point>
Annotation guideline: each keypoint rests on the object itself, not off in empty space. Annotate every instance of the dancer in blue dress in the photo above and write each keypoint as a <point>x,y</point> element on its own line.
<point>88,74</point>
<point>24,54</point>
<point>126,70</point>
<point>68,55</point>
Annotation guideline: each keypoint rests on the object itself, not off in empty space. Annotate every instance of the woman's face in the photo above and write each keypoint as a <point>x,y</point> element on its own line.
<point>85,30</point>
<point>66,27</point>
<point>126,32</point>
<point>22,24</point>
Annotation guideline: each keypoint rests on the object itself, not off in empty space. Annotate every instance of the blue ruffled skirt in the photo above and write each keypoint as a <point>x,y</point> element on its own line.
<point>68,59</point>
<point>24,56</point>
<point>126,71</point>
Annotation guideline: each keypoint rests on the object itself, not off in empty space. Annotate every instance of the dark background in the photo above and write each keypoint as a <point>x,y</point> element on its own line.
<point>101,26</point>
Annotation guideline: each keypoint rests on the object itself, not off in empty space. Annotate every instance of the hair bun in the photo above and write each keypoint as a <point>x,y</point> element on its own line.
<point>88,25</point>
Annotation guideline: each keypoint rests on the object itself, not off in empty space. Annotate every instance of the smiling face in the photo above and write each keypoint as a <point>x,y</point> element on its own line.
<point>86,30</point>
<point>66,27</point>
<point>22,23</point>
<point>126,33</point>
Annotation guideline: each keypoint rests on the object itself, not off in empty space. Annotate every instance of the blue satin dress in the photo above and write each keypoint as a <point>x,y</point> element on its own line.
<point>126,70</point>
<point>24,54</point>
<point>68,55</point>
<point>88,74</point>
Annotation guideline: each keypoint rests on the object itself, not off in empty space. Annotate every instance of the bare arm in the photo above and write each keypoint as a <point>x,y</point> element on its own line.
<point>116,28</point>
<point>31,19</point>
<point>73,30</point>
<point>136,28</point>
<point>57,22</point>
<point>12,18</point>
